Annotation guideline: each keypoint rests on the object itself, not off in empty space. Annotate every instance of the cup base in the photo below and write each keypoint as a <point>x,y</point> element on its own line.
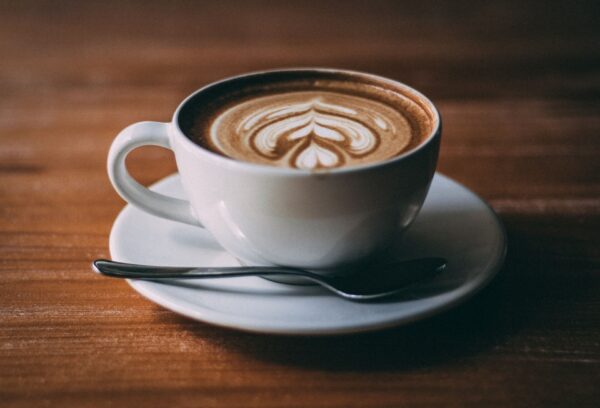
<point>288,280</point>
<point>298,280</point>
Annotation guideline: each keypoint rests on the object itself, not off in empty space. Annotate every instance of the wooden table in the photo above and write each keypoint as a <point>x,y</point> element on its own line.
<point>518,85</point>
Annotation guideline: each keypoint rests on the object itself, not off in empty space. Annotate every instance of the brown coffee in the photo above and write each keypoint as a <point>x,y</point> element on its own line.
<point>307,119</point>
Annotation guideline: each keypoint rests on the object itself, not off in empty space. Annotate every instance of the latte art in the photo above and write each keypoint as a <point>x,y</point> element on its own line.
<point>311,130</point>
<point>327,133</point>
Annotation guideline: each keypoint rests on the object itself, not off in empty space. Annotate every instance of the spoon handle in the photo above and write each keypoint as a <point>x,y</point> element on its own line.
<point>135,271</point>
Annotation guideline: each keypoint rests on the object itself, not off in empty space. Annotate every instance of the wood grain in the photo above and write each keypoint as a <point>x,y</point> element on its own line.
<point>518,85</point>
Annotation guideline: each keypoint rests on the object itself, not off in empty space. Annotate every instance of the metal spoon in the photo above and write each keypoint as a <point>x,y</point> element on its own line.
<point>371,283</point>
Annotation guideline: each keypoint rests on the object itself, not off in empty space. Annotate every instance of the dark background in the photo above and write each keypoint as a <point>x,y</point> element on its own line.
<point>518,86</point>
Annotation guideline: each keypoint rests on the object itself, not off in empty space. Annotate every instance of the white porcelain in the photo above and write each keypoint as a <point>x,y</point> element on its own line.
<point>269,215</point>
<point>453,223</point>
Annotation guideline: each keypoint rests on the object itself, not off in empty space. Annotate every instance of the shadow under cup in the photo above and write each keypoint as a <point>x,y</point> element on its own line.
<point>327,220</point>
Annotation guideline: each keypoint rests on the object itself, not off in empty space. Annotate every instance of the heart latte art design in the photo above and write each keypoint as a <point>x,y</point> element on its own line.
<point>311,130</point>
<point>315,132</point>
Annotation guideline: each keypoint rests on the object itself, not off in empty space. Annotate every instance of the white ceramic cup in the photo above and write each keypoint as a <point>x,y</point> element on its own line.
<point>266,215</point>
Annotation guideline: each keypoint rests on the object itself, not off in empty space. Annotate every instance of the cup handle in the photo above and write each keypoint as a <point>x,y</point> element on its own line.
<point>134,136</point>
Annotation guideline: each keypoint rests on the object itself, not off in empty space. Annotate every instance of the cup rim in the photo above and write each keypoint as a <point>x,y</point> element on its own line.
<point>264,168</point>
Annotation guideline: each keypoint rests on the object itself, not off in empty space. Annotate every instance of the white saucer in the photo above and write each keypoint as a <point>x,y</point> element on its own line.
<point>454,223</point>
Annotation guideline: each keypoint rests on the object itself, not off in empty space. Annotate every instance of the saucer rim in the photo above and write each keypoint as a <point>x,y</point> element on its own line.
<point>152,292</point>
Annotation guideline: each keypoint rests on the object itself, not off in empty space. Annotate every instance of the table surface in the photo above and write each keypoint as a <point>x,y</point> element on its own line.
<point>518,85</point>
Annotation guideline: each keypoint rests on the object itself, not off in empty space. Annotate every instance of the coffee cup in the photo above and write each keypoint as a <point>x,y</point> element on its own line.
<point>303,209</point>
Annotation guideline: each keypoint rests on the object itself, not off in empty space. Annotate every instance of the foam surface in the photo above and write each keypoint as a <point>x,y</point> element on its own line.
<point>310,130</point>
<point>310,120</point>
